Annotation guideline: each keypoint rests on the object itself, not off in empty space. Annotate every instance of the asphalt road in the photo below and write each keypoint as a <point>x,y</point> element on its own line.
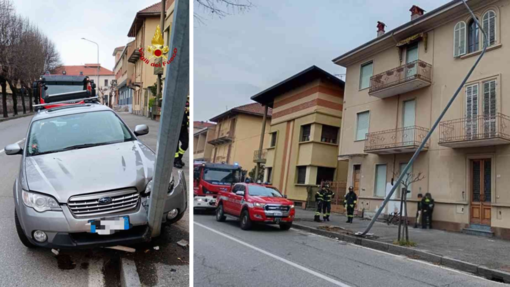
<point>96,267</point>
<point>225,255</point>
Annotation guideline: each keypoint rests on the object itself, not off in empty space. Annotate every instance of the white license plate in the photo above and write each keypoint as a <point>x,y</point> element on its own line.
<point>277,213</point>
<point>108,226</point>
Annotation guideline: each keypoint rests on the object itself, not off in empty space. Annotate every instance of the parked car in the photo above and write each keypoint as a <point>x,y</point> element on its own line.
<point>85,180</point>
<point>255,203</point>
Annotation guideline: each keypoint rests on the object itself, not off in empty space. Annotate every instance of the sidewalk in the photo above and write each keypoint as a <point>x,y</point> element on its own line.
<point>480,251</point>
<point>19,115</point>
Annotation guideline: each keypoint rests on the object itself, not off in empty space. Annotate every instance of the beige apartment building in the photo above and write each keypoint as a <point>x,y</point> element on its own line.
<point>203,132</point>
<point>123,74</point>
<point>305,132</point>
<point>396,87</point>
<point>143,29</point>
<point>237,135</point>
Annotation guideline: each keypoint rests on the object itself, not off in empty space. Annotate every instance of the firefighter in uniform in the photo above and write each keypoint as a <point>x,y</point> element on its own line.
<point>349,203</point>
<point>319,199</point>
<point>326,205</point>
<point>183,138</point>
<point>427,207</point>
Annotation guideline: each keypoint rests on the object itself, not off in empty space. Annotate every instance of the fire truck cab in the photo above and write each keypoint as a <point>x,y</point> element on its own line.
<point>62,89</point>
<point>211,178</point>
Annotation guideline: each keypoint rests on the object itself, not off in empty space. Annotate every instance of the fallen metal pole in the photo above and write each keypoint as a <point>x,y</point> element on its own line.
<point>175,90</point>
<point>415,155</point>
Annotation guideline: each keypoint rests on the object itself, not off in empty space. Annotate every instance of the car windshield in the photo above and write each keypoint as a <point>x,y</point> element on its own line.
<point>256,190</point>
<point>58,89</point>
<point>76,131</point>
<point>219,176</point>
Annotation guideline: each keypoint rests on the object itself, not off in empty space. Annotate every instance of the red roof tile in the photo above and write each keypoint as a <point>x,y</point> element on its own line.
<point>255,109</point>
<point>87,69</point>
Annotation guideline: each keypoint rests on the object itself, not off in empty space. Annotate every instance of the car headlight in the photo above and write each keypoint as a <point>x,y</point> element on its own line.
<point>292,206</point>
<point>148,188</point>
<point>40,202</point>
<point>261,205</point>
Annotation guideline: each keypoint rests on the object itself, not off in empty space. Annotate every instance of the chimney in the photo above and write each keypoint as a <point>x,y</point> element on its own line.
<point>380,28</point>
<point>416,12</point>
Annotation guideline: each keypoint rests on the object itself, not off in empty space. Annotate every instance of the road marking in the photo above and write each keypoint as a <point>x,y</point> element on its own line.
<point>96,277</point>
<point>2,150</point>
<point>317,274</point>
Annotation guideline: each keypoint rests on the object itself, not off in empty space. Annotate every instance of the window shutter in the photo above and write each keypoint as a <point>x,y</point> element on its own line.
<point>462,41</point>
<point>469,100</point>
<point>456,41</point>
<point>489,25</point>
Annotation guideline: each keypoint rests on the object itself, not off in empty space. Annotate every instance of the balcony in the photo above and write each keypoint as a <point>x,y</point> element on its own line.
<point>133,54</point>
<point>221,139</point>
<point>263,156</point>
<point>475,132</point>
<point>400,80</point>
<point>401,140</point>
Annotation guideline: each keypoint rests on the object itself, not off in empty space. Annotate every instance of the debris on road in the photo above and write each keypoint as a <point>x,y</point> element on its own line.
<point>182,243</point>
<point>65,262</point>
<point>122,248</point>
<point>156,247</point>
<point>55,251</point>
<point>147,251</point>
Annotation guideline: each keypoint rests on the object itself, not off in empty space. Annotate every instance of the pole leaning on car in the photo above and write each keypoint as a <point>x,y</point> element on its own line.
<point>176,90</point>
<point>436,123</point>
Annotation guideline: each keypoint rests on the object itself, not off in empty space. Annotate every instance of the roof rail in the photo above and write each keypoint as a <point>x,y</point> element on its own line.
<point>64,103</point>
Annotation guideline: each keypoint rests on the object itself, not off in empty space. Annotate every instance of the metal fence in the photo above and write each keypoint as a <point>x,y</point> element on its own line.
<point>395,138</point>
<point>475,128</point>
<point>407,72</point>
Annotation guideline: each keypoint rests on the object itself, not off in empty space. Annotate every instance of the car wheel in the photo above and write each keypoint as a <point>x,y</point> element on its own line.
<point>21,233</point>
<point>176,218</point>
<point>245,220</point>
<point>285,226</point>
<point>220,215</point>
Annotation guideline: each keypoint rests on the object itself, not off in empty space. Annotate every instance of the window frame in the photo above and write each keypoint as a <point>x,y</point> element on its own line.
<point>274,135</point>
<point>361,75</point>
<point>309,133</point>
<point>375,179</point>
<point>458,53</point>
<point>297,174</point>
<point>325,167</point>
<point>357,124</point>
<point>337,134</point>
<point>495,27</point>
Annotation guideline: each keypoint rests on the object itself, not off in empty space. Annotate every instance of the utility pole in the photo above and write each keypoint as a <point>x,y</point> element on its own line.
<point>159,70</point>
<point>174,101</point>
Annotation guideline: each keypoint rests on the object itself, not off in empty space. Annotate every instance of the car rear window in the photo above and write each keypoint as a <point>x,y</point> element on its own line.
<point>76,131</point>
<point>256,190</point>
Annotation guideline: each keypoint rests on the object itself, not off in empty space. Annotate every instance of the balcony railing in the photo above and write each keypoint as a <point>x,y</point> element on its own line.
<point>263,156</point>
<point>394,141</point>
<point>133,54</point>
<point>475,131</point>
<point>224,137</point>
<point>402,79</point>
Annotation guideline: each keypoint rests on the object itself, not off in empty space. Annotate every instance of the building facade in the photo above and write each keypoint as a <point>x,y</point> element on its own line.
<point>203,132</point>
<point>237,135</point>
<point>398,84</point>
<point>304,132</point>
<point>123,72</point>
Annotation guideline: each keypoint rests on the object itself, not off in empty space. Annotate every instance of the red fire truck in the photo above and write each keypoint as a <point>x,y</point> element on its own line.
<point>62,89</point>
<point>255,203</point>
<point>211,178</point>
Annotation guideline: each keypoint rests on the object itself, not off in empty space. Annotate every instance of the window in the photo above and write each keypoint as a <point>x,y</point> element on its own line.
<point>366,73</point>
<point>459,39</point>
<point>325,174</point>
<point>362,125</point>
<point>301,174</point>
<point>380,180</point>
<point>305,133</point>
<point>489,108</point>
<point>329,134</point>
<point>489,25</point>
<point>473,36</point>
<point>273,140</point>
<point>106,83</point>
<point>269,174</point>
<point>471,110</point>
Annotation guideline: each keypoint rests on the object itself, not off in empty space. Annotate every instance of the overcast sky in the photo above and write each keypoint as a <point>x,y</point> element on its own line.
<point>242,54</point>
<point>106,22</point>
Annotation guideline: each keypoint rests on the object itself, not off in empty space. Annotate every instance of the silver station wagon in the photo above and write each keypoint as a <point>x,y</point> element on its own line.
<point>84,180</point>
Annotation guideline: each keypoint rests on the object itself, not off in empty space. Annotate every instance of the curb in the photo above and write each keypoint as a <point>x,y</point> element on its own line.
<point>478,270</point>
<point>16,117</point>
<point>128,274</point>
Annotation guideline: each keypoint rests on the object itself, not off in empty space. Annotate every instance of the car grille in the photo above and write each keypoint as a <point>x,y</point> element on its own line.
<point>277,207</point>
<point>88,205</point>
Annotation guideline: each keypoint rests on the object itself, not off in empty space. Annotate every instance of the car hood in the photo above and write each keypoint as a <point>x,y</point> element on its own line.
<point>275,200</point>
<point>89,170</point>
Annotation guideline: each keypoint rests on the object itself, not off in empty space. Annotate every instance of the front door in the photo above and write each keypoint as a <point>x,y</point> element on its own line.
<point>481,170</point>
<point>411,57</point>
<point>356,178</point>
<point>409,122</point>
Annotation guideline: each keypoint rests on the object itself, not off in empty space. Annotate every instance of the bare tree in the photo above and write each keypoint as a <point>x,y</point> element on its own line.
<point>221,8</point>
<point>406,182</point>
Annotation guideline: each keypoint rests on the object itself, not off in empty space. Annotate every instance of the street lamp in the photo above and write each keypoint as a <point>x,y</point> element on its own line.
<point>98,65</point>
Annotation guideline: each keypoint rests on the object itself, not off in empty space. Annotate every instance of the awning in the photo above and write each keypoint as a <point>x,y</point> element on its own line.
<point>414,38</point>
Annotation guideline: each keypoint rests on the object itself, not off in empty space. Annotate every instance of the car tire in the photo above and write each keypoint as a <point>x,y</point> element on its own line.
<point>246,223</point>
<point>285,226</point>
<point>220,214</point>
<point>21,234</point>
<point>177,218</point>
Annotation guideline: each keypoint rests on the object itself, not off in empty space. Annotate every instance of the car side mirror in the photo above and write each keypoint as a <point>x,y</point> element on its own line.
<point>240,192</point>
<point>141,130</point>
<point>13,149</point>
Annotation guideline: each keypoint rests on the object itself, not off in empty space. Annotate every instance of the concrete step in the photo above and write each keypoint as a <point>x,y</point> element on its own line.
<point>478,232</point>
<point>480,227</point>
